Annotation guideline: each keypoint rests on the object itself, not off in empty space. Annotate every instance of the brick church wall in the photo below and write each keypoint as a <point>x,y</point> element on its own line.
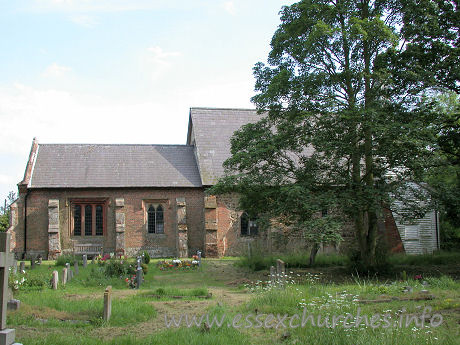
<point>136,237</point>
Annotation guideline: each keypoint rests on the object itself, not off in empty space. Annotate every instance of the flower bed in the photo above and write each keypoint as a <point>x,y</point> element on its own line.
<point>176,264</point>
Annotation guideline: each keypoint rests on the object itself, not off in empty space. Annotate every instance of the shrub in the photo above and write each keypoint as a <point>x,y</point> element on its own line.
<point>146,258</point>
<point>118,268</point>
<point>145,268</point>
<point>382,265</point>
<point>67,258</point>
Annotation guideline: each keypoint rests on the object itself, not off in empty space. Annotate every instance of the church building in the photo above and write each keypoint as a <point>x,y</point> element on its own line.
<point>126,199</point>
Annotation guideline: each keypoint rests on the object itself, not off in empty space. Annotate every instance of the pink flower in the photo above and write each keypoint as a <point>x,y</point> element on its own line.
<point>418,276</point>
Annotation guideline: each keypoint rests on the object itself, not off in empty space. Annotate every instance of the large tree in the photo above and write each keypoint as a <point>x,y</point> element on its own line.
<point>337,132</point>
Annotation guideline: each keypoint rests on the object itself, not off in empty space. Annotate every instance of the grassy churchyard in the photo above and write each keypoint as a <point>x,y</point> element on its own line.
<point>251,308</point>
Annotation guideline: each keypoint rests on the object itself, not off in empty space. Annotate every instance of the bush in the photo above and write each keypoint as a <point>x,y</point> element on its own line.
<point>145,268</point>
<point>146,258</point>
<point>67,258</point>
<point>118,268</point>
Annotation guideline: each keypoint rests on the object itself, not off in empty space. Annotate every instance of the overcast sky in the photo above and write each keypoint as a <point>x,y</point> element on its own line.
<point>121,71</point>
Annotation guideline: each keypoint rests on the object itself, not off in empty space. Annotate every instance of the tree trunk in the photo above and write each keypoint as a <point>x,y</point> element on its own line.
<point>313,252</point>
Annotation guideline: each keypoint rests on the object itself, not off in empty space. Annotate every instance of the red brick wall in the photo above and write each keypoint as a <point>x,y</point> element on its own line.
<point>136,236</point>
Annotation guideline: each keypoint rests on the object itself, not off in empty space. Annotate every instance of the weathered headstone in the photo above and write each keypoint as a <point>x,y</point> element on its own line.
<point>249,250</point>
<point>69,275</point>
<point>54,280</point>
<point>32,263</point>
<point>273,275</point>
<point>107,303</point>
<point>13,304</point>
<point>199,258</point>
<point>85,260</point>
<point>75,265</point>
<point>22,267</point>
<point>68,266</point>
<point>281,271</point>
<point>40,260</point>
<point>92,260</point>
<point>7,335</point>
<point>64,276</point>
<point>139,273</point>
<point>15,267</point>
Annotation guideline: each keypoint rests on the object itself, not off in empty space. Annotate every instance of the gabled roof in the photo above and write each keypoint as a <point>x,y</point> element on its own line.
<point>91,165</point>
<point>210,130</point>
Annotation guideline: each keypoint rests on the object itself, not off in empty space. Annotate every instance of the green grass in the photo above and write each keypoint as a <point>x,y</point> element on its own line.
<point>440,258</point>
<point>259,261</point>
<point>73,313</point>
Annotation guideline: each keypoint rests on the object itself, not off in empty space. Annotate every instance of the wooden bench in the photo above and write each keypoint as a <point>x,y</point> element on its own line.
<point>88,249</point>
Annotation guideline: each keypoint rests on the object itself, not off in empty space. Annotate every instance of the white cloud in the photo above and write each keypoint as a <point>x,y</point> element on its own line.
<point>156,61</point>
<point>84,20</point>
<point>229,7</point>
<point>55,71</point>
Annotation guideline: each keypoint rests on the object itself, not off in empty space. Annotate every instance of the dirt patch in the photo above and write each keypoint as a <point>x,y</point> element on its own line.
<point>238,282</point>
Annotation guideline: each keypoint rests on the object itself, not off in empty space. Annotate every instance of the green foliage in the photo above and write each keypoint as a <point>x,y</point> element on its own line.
<point>146,258</point>
<point>440,258</point>
<point>382,265</point>
<point>338,130</point>
<point>258,262</point>
<point>4,221</point>
<point>68,258</point>
<point>119,268</point>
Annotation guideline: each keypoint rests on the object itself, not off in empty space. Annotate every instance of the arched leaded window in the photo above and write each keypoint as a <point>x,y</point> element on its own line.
<point>151,219</point>
<point>159,223</point>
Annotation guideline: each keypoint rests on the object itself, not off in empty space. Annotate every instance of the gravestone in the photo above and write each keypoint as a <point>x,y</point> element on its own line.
<point>138,273</point>
<point>40,260</point>
<point>7,335</point>
<point>85,260</point>
<point>69,275</point>
<point>68,266</point>
<point>273,275</point>
<point>64,276</point>
<point>32,263</point>
<point>92,260</point>
<point>75,266</point>
<point>281,271</point>
<point>199,258</point>
<point>107,303</point>
<point>14,304</point>
<point>54,280</point>
<point>22,267</point>
<point>15,267</point>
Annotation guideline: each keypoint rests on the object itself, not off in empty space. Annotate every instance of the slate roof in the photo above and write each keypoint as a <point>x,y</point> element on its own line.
<point>212,129</point>
<point>91,165</point>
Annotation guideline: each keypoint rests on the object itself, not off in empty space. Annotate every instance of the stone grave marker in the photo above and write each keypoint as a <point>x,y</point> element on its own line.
<point>75,266</point>
<point>22,267</point>
<point>40,260</point>
<point>54,280</point>
<point>139,273</point>
<point>32,263</point>
<point>92,260</point>
<point>68,266</point>
<point>107,303</point>
<point>64,276</point>
<point>273,275</point>
<point>85,260</point>
<point>15,266</point>
<point>14,304</point>
<point>7,335</point>
<point>198,253</point>
<point>281,271</point>
<point>69,275</point>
